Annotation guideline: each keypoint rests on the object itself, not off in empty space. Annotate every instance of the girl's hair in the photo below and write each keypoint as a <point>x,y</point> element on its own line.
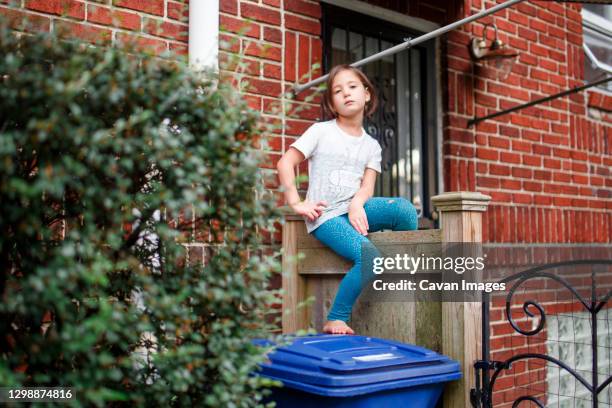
<point>328,104</point>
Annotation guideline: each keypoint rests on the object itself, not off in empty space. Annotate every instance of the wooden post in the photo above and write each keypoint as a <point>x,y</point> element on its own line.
<point>293,283</point>
<point>461,221</point>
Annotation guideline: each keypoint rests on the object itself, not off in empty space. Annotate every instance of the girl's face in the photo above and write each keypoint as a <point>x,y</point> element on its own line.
<point>349,96</point>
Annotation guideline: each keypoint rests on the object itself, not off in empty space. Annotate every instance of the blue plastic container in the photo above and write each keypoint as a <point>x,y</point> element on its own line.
<point>356,371</point>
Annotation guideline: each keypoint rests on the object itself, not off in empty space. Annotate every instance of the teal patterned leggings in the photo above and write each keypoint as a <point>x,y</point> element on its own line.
<point>393,213</point>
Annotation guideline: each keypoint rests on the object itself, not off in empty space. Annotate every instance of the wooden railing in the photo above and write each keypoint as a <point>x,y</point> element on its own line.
<point>453,329</point>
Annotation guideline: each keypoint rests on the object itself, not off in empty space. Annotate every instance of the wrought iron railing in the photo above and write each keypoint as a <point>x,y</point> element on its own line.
<point>482,394</point>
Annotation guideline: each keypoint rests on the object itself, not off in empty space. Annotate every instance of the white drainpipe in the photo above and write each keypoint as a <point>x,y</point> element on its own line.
<point>204,34</point>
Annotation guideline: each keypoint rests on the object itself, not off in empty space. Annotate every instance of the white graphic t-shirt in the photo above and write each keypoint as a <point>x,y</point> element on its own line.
<point>336,163</point>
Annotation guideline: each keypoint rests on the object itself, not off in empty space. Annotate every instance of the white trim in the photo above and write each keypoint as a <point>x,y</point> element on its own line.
<point>384,14</point>
<point>597,23</point>
<point>204,34</point>
<point>596,63</point>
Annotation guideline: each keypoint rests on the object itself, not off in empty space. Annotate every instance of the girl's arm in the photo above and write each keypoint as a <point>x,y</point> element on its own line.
<point>357,215</point>
<point>286,174</point>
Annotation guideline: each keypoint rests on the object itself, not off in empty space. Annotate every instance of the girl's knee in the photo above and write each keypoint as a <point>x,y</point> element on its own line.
<point>406,214</point>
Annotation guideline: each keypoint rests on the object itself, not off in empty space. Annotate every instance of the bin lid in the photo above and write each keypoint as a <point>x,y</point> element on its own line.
<point>350,360</point>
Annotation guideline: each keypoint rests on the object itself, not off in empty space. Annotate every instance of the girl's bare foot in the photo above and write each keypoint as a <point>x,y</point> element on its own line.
<point>337,327</point>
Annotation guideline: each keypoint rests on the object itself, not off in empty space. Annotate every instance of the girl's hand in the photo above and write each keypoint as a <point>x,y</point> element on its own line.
<point>359,219</point>
<point>309,209</point>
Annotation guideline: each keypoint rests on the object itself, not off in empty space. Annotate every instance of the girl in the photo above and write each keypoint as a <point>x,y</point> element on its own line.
<point>343,161</point>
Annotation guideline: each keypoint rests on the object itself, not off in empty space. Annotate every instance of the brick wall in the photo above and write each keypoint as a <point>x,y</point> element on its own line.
<point>278,45</point>
<point>547,166</point>
<point>153,25</point>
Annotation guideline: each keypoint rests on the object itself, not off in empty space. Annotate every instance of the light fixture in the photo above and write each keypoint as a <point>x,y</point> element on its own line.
<point>496,55</point>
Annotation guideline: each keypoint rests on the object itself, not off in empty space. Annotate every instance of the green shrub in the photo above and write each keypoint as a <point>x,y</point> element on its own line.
<point>107,160</point>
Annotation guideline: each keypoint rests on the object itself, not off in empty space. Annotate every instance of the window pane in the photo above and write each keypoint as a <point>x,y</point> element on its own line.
<point>601,47</point>
<point>602,10</point>
<point>356,46</point>
<point>338,42</point>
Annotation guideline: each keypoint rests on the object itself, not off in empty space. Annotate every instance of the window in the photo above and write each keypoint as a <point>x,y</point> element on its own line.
<point>597,22</point>
<point>405,123</point>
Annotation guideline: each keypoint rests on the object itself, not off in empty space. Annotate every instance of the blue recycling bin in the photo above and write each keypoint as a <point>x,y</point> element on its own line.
<point>356,371</point>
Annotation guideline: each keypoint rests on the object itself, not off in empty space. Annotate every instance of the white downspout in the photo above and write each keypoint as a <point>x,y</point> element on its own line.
<point>204,34</point>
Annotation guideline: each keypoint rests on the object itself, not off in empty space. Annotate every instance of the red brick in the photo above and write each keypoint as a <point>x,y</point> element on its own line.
<point>561,177</point>
<point>528,59</point>
<point>509,131</point>
<point>580,179</point>
<point>253,101</point>
<point>507,157</point>
<point>297,127</point>
<point>580,167</point>
<point>267,51</point>
<point>155,7</point>
<point>526,8</point>
<point>257,13</point>
<point>499,170</point>
<point>272,71</point>
<point>263,87</point>
<point>519,43</point>
<point>487,154</point>
<point>561,152</point>
<point>178,11</point>
<point>532,160</point>
<point>290,57</point>
<point>488,182</point>
<point>302,24</point>
<point>179,49</point>
<point>499,142</point>
<point>231,62</point>
<point>460,151</point>
<point>532,186</point>
<point>165,29</point>
<point>84,32</point>
<point>273,35</point>
<point>303,57</point>
<point>552,188</point>
<point>486,127</point>
<point>521,198</point>
<point>519,145</point>
<point>527,34</point>
<point>229,6</point>
<point>518,17</point>
<point>459,64</point>
<point>316,56</point>
<point>115,18</point>
<point>66,8</point>
<point>272,106</point>
<point>546,16</point>
<point>542,200</point>
<point>229,43</point>
<point>303,7</point>
<point>510,184</point>
<point>238,26</point>
<point>486,100</point>
<point>578,155</point>
<point>23,21</point>
<point>539,74</point>
<point>542,174</point>
<point>521,172</point>
<point>143,44</point>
